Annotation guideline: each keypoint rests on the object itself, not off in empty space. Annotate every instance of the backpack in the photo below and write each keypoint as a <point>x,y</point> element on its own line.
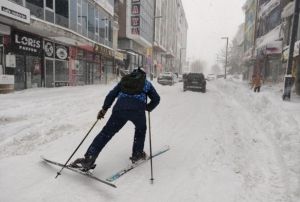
<point>133,83</point>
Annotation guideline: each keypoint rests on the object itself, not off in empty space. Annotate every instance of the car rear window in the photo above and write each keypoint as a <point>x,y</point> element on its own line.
<point>195,76</point>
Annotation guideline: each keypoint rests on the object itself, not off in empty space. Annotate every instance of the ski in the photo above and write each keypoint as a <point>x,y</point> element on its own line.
<point>134,165</point>
<point>87,174</point>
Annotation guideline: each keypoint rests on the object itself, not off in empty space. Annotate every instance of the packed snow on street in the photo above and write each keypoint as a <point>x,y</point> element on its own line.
<point>226,145</point>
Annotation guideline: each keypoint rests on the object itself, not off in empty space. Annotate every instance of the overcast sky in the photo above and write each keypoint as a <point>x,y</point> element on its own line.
<point>208,21</point>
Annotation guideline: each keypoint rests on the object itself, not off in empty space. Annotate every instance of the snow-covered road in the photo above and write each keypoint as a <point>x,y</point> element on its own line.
<point>228,145</point>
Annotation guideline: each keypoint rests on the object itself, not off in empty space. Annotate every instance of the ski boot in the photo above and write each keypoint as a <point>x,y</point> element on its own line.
<point>138,156</point>
<point>84,164</point>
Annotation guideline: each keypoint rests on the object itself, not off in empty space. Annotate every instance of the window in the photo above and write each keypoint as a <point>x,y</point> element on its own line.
<point>61,71</point>
<point>91,21</point>
<point>110,32</point>
<point>84,17</point>
<point>261,2</point>
<point>20,2</point>
<point>102,19</point>
<point>79,16</point>
<point>96,25</point>
<point>62,12</point>
<point>273,19</point>
<point>73,15</point>
<point>36,7</point>
<point>49,11</point>
<point>49,4</point>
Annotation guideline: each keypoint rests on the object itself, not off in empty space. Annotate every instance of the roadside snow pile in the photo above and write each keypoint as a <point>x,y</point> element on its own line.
<point>279,121</point>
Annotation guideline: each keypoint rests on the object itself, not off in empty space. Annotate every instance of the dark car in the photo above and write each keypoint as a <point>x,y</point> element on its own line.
<point>194,81</point>
<point>166,79</point>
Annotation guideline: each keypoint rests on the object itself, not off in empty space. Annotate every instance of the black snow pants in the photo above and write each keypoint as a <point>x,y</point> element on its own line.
<point>117,120</point>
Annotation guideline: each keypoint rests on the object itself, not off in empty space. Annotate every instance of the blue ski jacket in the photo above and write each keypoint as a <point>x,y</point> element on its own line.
<point>132,102</point>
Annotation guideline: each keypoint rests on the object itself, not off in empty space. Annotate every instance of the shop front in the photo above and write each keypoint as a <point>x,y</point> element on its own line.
<point>107,59</point>
<point>6,81</point>
<point>24,59</point>
<point>269,62</point>
<point>56,64</point>
<point>86,67</point>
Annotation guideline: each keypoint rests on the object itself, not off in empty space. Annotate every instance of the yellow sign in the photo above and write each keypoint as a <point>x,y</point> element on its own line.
<point>103,51</point>
<point>119,56</point>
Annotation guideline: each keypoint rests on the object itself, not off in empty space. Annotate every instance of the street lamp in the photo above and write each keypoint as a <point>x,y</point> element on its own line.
<point>180,67</point>
<point>226,54</point>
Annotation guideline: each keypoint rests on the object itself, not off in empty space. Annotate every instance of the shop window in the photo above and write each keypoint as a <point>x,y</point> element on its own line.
<point>36,7</point>
<point>61,71</point>
<point>91,21</point>
<point>34,65</point>
<point>62,12</point>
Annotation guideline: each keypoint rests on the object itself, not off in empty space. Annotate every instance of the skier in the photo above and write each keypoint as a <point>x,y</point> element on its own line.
<point>132,92</point>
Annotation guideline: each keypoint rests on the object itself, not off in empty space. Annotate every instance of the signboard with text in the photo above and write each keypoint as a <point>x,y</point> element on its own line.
<point>103,50</point>
<point>25,43</point>
<point>135,17</point>
<point>14,11</point>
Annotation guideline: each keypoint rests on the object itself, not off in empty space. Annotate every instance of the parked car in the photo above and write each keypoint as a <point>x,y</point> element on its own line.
<point>180,78</point>
<point>166,78</point>
<point>210,77</point>
<point>194,81</point>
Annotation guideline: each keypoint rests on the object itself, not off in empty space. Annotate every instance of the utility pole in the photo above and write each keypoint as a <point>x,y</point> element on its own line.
<point>226,55</point>
<point>288,79</point>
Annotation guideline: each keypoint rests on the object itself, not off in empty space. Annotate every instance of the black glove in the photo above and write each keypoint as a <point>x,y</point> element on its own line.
<point>101,114</point>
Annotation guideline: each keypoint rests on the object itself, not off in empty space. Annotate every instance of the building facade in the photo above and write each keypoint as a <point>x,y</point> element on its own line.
<point>287,17</point>
<point>169,50</point>
<point>50,43</point>
<point>249,37</point>
<point>136,33</point>
<point>263,39</point>
<point>269,43</point>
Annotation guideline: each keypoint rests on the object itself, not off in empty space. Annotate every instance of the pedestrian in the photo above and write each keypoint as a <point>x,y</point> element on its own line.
<point>256,82</point>
<point>131,93</point>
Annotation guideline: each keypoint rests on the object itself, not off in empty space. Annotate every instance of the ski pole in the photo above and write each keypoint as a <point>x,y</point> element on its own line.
<point>151,165</point>
<point>59,173</point>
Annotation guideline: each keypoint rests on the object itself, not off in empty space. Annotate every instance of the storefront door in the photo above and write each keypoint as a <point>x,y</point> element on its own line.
<point>90,73</point>
<point>20,76</point>
<point>49,73</point>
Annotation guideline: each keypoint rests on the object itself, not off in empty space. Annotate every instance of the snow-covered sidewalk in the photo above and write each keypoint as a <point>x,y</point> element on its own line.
<point>229,145</point>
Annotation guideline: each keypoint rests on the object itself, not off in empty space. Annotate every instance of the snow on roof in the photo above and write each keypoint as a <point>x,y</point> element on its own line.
<point>265,9</point>
<point>270,39</point>
<point>288,10</point>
